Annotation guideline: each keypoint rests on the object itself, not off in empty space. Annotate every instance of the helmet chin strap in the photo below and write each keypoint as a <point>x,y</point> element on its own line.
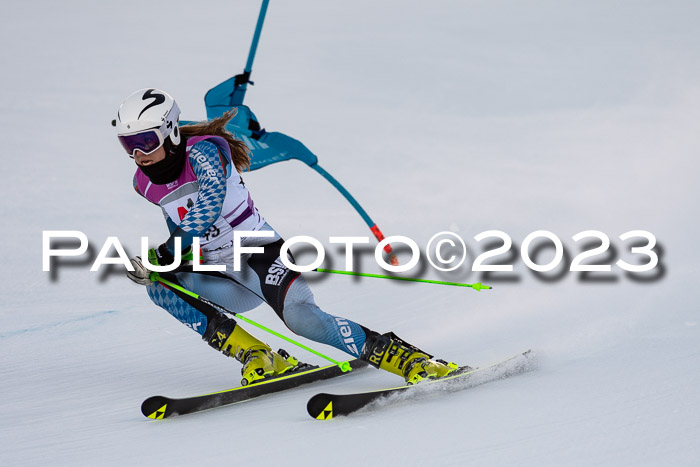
<point>169,147</point>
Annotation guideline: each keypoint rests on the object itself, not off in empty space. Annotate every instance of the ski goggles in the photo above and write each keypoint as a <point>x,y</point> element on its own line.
<point>147,142</point>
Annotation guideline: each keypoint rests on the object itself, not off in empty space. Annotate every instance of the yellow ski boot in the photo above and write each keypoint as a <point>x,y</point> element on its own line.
<point>258,359</point>
<point>389,352</point>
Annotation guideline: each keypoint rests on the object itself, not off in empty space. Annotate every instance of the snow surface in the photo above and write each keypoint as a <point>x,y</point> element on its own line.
<point>461,116</point>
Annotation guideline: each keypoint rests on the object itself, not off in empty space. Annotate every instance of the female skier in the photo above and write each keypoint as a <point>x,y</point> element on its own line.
<point>193,174</point>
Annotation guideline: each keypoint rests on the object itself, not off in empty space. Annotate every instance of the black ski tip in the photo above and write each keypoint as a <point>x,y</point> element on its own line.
<point>156,407</point>
<point>320,406</point>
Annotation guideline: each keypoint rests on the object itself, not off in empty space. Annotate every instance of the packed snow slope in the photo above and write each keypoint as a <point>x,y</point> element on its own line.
<point>438,116</point>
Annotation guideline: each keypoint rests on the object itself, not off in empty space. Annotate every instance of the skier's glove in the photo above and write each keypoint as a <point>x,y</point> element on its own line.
<point>140,274</point>
<point>158,256</point>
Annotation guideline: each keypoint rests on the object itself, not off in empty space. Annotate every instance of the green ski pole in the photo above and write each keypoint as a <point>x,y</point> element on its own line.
<point>477,286</point>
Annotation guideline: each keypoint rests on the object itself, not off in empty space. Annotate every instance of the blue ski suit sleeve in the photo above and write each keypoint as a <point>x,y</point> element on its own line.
<point>211,177</point>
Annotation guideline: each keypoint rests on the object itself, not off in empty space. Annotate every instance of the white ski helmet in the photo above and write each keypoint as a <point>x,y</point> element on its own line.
<point>145,119</point>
